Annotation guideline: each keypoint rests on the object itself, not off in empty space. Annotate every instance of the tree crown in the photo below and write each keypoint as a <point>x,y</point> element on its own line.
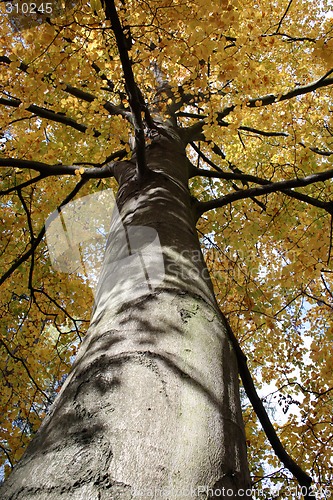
<point>250,86</point>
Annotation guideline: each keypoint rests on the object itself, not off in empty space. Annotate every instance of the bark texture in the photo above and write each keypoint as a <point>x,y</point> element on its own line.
<point>151,408</point>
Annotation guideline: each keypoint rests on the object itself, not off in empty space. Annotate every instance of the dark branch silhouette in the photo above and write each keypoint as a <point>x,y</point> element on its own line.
<point>269,99</point>
<point>266,189</point>
<point>48,114</point>
<point>74,91</point>
<point>132,90</point>
<point>303,479</point>
<point>58,169</point>
<point>23,185</point>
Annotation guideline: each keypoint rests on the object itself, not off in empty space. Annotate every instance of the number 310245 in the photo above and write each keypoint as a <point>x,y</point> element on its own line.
<point>28,8</point>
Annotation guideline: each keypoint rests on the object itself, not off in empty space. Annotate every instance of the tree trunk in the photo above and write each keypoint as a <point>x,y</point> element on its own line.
<point>151,408</point>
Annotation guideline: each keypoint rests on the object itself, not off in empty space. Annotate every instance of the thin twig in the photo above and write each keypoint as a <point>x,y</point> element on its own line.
<point>284,15</point>
<point>25,184</point>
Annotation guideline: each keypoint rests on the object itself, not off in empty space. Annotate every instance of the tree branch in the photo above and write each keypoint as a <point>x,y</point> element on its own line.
<point>46,170</point>
<point>7,456</point>
<point>265,133</point>
<point>21,360</point>
<point>235,175</point>
<point>273,98</point>
<point>32,236</point>
<point>80,94</point>
<point>34,180</point>
<point>244,178</point>
<point>62,309</point>
<point>86,96</point>
<point>48,114</point>
<point>266,189</point>
<point>284,15</point>
<point>303,479</point>
<point>134,100</point>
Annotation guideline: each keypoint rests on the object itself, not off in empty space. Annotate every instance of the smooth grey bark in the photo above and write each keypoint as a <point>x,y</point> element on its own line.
<point>151,408</point>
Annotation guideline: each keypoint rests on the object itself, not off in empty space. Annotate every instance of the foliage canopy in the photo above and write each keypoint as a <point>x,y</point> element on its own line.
<point>252,81</point>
